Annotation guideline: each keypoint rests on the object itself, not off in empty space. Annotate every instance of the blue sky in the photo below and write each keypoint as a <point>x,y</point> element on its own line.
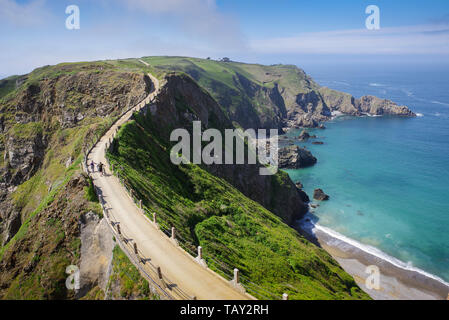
<point>33,32</point>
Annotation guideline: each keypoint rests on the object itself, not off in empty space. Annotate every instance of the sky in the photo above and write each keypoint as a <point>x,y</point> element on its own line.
<point>33,33</point>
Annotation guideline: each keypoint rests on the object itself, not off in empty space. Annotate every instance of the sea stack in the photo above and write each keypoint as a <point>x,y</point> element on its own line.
<point>319,194</point>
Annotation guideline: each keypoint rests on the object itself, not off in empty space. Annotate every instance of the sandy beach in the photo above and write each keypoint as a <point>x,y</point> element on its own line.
<point>396,283</point>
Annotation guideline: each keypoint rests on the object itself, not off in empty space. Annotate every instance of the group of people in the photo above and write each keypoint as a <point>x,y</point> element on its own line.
<point>100,167</point>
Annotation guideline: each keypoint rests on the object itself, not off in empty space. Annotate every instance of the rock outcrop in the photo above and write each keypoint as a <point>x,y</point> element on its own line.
<point>347,104</point>
<point>304,136</point>
<point>294,157</point>
<point>305,198</point>
<point>318,194</point>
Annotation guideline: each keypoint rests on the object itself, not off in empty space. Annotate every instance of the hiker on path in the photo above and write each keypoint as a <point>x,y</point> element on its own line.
<point>92,166</point>
<point>100,168</point>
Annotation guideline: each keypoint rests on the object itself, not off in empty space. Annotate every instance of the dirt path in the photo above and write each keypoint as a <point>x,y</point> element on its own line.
<point>175,263</point>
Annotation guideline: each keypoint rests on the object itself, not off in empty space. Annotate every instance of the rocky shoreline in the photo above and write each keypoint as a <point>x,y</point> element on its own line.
<point>325,105</point>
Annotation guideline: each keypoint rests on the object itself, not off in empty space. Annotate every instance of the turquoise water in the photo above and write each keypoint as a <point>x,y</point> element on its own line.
<point>388,178</point>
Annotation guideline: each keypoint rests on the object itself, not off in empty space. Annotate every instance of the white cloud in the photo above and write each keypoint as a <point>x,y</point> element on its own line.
<point>421,39</point>
<point>199,19</point>
<point>23,14</point>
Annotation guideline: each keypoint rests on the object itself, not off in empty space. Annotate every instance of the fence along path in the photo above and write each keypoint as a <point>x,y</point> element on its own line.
<point>172,272</point>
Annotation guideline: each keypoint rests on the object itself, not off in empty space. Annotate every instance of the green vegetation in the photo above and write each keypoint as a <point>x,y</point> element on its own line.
<point>231,228</point>
<point>8,85</point>
<point>243,90</point>
<point>45,257</point>
<point>90,192</point>
<point>26,131</point>
<point>125,281</point>
<point>49,198</point>
<point>34,260</point>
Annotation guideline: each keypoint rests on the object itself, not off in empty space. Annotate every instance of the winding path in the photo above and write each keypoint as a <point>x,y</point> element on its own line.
<point>177,265</point>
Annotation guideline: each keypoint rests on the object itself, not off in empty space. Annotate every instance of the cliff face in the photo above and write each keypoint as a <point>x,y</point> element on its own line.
<point>40,115</point>
<point>347,104</point>
<point>33,267</point>
<point>53,102</point>
<point>182,101</point>
<point>277,96</point>
<point>46,119</point>
<point>307,106</point>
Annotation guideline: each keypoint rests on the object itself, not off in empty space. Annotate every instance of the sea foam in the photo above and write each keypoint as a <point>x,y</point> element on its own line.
<point>309,224</point>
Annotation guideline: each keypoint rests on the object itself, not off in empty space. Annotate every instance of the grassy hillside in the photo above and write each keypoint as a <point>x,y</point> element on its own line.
<point>231,228</point>
<point>48,198</point>
<point>209,71</point>
<point>250,94</point>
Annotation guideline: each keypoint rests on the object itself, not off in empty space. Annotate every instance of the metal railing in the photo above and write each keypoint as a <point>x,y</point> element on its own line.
<point>158,280</point>
<point>221,268</point>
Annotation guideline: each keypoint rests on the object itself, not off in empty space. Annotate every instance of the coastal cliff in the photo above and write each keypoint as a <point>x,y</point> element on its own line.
<point>276,96</point>
<point>50,108</point>
<point>182,101</point>
<point>48,117</point>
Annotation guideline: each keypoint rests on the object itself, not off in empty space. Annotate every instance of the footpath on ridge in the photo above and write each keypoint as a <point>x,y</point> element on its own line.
<point>187,277</point>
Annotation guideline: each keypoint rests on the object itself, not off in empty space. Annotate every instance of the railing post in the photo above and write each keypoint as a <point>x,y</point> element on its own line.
<point>140,204</point>
<point>173,233</point>
<point>199,258</point>
<point>285,296</point>
<point>135,248</point>
<point>236,276</point>
<point>155,217</point>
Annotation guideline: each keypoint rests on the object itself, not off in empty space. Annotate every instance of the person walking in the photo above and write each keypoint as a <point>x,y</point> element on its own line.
<point>100,168</point>
<point>92,166</point>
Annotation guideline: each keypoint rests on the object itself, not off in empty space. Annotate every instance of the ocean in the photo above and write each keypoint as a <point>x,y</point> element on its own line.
<point>387,177</point>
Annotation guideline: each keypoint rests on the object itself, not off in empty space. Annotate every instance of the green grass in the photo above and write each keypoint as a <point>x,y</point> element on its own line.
<point>49,198</point>
<point>90,193</point>
<point>132,284</point>
<point>239,232</point>
<point>7,86</point>
<point>26,131</point>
